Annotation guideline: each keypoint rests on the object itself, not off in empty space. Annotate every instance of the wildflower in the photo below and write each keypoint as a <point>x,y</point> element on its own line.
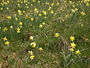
<point>72,38</point>
<point>40,49</point>
<point>49,8</point>
<point>38,1</point>
<point>23,11</point>
<point>33,0</point>
<point>4,38</point>
<point>71,49</point>
<point>52,4</point>
<point>5,29</point>
<point>82,13</point>
<point>18,30</point>
<point>52,12</point>
<point>20,23</point>
<point>32,19</point>
<point>8,1</point>
<point>26,16</point>
<point>1,8</point>
<point>7,43</point>
<point>7,8</point>
<point>16,19</point>
<point>19,11</point>
<point>30,52</point>
<point>78,52</point>
<point>32,57</point>
<point>57,35</point>
<point>35,9</point>
<point>73,10</point>
<point>18,5</point>
<point>87,4</point>
<point>33,44</point>
<point>31,38</point>
<point>0,28</point>
<point>45,17</point>
<point>58,3</point>
<point>9,17</point>
<point>76,9</point>
<point>47,3</point>
<point>73,45</point>
<point>40,14</point>
<point>40,25</point>
<point>82,25</point>
<point>86,1</point>
<point>31,4</point>
<point>20,26</point>
<point>44,12</point>
<point>43,23</point>
<point>11,27</point>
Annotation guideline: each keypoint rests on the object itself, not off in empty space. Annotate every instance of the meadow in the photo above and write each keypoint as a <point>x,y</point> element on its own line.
<point>44,33</point>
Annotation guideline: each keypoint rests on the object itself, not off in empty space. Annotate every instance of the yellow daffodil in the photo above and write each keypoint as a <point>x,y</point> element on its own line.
<point>58,3</point>
<point>43,23</point>
<point>87,4</point>
<point>16,19</point>
<point>76,9</point>
<point>45,17</point>
<point>73,10</point>
<point>38,1</point>
<point>18,30</point>
<point>78,52</point>
<point>20,23</point>
<point>86,1</point>
<point>44,12</point>
<point>4,38</point>
<point>73,45</point>
<point>35,9</point>
<point>71,49</point>
<point>1,8</point>
<point>7,43</point>
<point>52,4</point>
<point>31,38</point>
<point>40,25</point>
<point>32,19</point>
<point>40,14</point>
<point>72,38</point>
<point>7,8</point>
<point>32,57</point>
<point>19,12</point>
<point>0,27</point>
<point>83,13</point>
<point>11,27</point>
<point>20,27</point>
<point>40,49</point>
<point>49,8</point>
<point>9,17</point>
<point>30,52</point>
<point>33,44</point>
<point>52,11</point>
<point>33,0</point>
<point>5,29</point>
<point>56,34</point>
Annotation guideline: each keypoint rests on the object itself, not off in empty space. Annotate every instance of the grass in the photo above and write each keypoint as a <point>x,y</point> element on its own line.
<point>67,18</point>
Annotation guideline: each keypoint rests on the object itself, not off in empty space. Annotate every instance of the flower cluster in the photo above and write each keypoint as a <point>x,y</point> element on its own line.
<point>73,46</point>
